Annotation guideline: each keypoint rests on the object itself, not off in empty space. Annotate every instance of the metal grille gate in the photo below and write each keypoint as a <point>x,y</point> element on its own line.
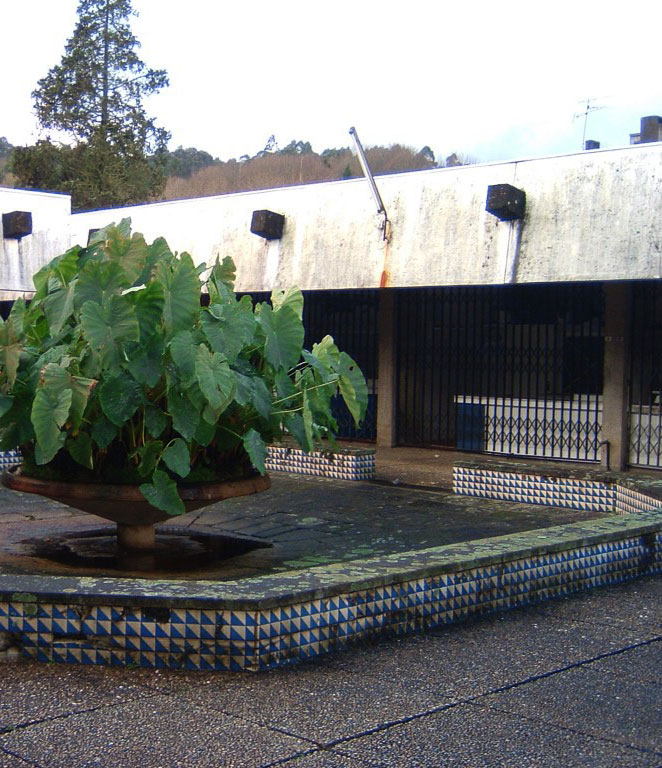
<point>508,369</point>
<point>351,318</point>
<point>646,376</point>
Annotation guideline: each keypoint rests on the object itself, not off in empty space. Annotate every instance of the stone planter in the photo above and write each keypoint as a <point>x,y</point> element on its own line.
<point>125,505</point>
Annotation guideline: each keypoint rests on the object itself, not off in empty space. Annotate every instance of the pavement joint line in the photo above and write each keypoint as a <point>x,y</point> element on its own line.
<point>562,727</point>
<point>502,689</point>
<point>307,753</point>
<point>4,730</point>
<point>26,760</point>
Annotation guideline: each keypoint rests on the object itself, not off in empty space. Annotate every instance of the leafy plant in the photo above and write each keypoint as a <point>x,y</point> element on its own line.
<point>116,372</point>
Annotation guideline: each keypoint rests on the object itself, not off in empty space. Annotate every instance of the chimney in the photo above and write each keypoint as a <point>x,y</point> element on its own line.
<point>651,129</point>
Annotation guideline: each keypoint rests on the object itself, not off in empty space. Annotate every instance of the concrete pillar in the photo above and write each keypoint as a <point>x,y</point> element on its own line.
<point>615,391</point>
<point>386,370</point>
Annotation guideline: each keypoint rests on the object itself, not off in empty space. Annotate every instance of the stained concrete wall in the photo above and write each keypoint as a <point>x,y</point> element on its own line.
<point>589,216</point>
<point>20,259</point>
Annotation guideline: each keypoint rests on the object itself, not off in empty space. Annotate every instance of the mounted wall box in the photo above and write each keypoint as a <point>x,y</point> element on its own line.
<point>505,202</point>
<point>267,224</point>
<point>16,224</point>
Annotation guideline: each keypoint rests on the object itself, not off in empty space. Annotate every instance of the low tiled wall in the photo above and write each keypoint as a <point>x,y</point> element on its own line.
<point>551,490</point>
<point>267,621</point>
<point>342,465</point>
<point>8,459</point>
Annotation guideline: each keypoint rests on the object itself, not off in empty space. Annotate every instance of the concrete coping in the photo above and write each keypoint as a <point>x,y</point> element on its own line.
<point>317,582</point>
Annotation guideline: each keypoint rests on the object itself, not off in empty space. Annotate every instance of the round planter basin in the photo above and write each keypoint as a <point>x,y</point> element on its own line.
<point>125,505</point>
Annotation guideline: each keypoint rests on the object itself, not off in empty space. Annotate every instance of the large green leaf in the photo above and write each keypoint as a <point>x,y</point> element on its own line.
<point>10,343</point>
<point>80,449</point>
<point>98,279</point>
<point>103,432</point>
<point>58,307</point>
<point>294,424</point>
<point>228,328</point>
<point>176,457</point>
<point>292,298</point>
<point>185,416</point>
<point>148,303</point>
<point>221,282</point>
<point>130,254</point>
<point>149,455</point>
<point>182,350</point>
<point>256,449</point>
<point>284,334</point>
<point>326,352</point>
<point>108,325</point>
<point>6,403</point>
<point>55,377</point>
<point>9,356</point>
<point>119,398</point>
<point>157,252</point>
<point>215,378</point>
<point>58,272</point>
<point>245,389</point>
<point>155,420</point>
<point>352,387</point>
<point>146,362</point>
<point>162,494</point>
<point>182,294</point>
<point>261,398</point>
<point>50,410</point>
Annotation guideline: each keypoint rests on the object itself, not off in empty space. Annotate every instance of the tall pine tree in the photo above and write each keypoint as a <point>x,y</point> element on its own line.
<point>94,97</point>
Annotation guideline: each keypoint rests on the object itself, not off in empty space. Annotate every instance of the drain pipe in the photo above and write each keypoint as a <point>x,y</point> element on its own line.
<point>381,209</point>
<point>604,454</point>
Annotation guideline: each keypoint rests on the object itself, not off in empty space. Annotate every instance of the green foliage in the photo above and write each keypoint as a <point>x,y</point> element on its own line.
<point>115,370</point>
<point>184,162</point>
<point>95,96</point>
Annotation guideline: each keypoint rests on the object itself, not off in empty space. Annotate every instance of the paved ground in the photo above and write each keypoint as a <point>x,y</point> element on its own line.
<point>571,683</point>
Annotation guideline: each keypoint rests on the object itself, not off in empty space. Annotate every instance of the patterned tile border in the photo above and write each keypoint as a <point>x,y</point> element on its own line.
<point>268,621</point>
<point>552,490</point>
<point>8,459</point>
<point>342,465</point>
<point>347,464</point>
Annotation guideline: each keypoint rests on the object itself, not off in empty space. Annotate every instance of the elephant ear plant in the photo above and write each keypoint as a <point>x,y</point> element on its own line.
<point>115,372</point>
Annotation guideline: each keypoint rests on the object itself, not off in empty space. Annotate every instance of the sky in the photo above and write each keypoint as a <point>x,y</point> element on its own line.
<point>490,79</point>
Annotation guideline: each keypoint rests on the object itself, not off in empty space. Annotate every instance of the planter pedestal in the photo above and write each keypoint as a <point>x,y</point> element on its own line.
<point>126,506</point>
<point>136,537</point>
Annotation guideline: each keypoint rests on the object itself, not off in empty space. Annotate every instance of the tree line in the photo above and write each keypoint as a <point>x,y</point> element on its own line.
<point>102,148</point>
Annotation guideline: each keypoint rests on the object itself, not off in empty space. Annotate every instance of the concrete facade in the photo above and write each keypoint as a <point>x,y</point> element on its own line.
<point>587,218</point>
<point>590,216</point>
<point>20,259</point>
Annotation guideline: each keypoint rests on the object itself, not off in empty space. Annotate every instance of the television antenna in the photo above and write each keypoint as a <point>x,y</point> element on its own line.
<point>589,107</point>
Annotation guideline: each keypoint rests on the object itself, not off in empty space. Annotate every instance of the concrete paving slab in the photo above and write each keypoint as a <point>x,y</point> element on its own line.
<point>324,759</point>
<point>8,760</point>
<point>634,605</point>
<point>643,665</point>
<point>310,703</point>
<point>480,656</point>
<point>33,692</point>
<point>469,735</point>
<point>156,732</point>
<point>622,710</point>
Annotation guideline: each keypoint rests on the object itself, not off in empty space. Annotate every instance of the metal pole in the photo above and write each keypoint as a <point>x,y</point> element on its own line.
<point>368,174</point>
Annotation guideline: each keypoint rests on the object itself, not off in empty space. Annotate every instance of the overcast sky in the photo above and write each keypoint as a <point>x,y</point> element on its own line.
<point>496,79</point>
